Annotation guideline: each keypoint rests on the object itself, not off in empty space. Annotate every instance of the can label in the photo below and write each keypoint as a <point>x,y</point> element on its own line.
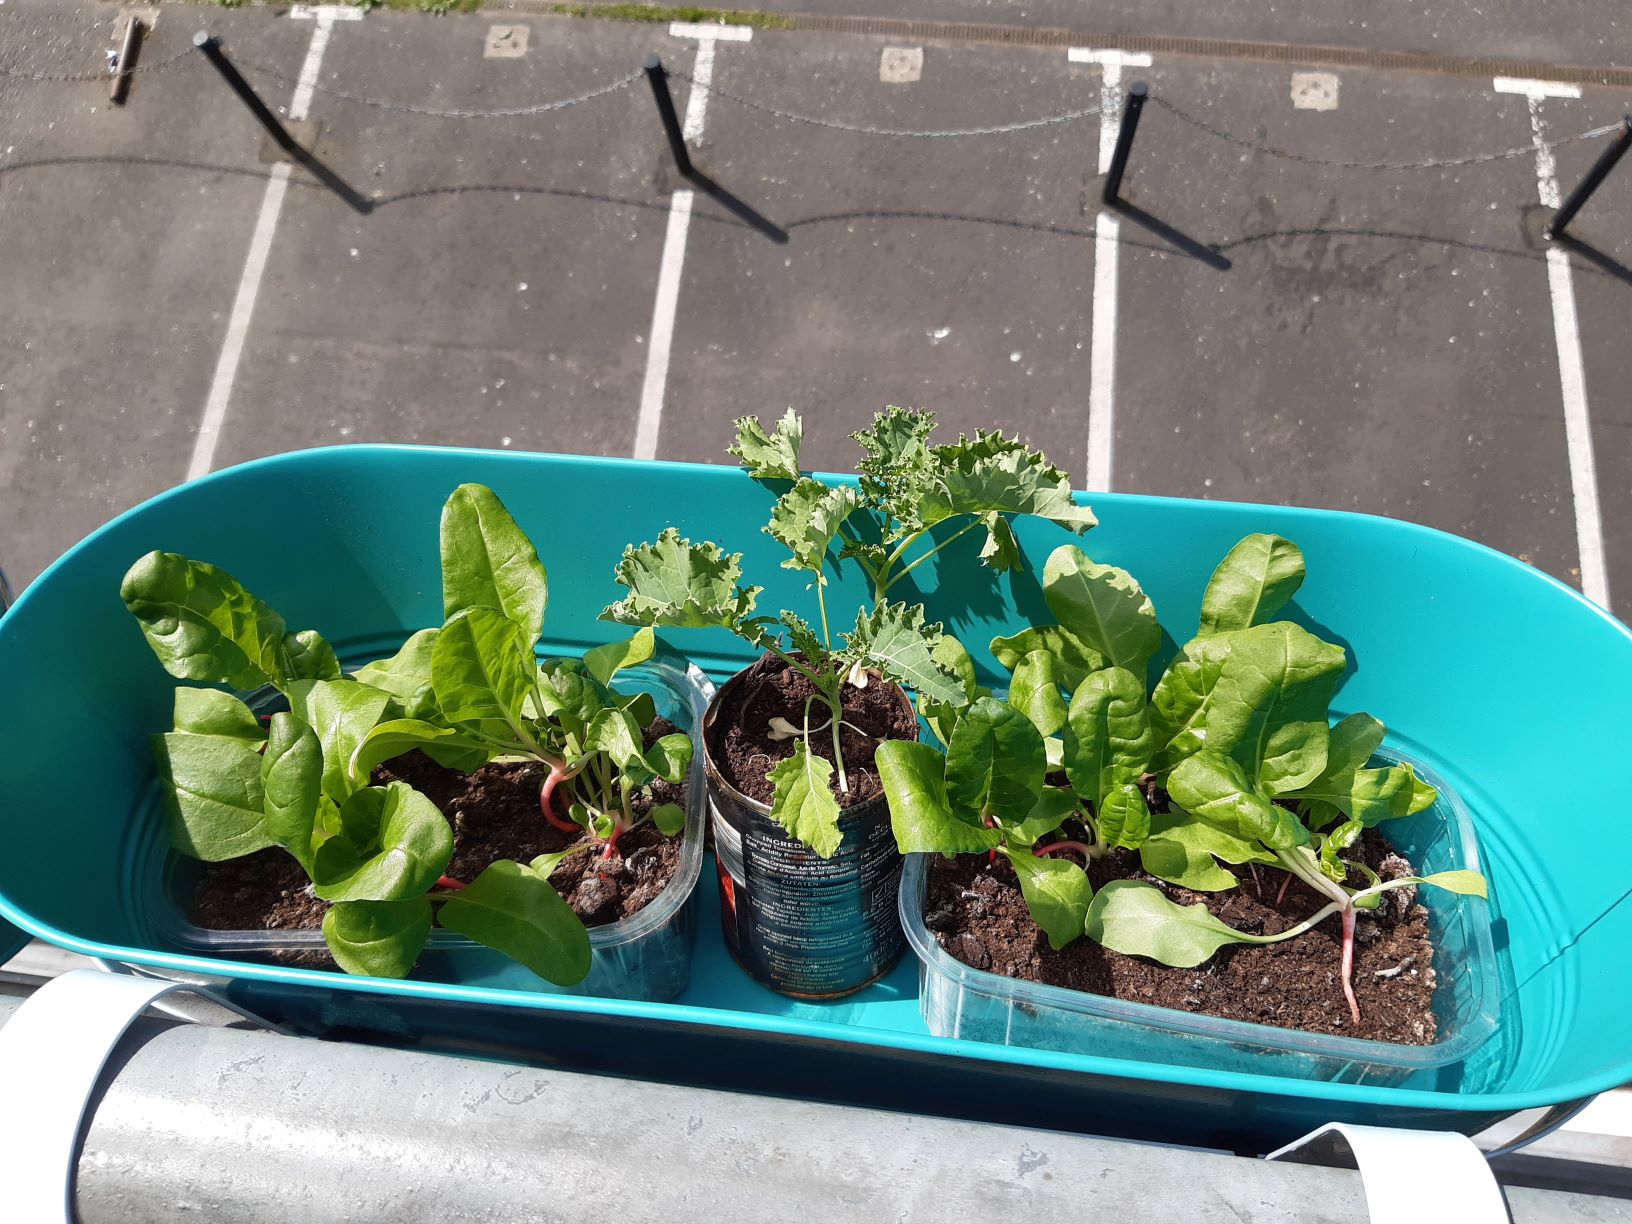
<point>802,924</point>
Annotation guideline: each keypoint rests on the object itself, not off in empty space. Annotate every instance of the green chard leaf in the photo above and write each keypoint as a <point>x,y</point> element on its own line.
<point>1136,919</point>
<point>310,657</point>
<point>920,813</point>
<point>769,456</point>
<point>1057,893</point>
<point>574,697</point>
<point>482,667</point>
<point>1073,658</point>
<point>406,675</point>
<point>342,712</point>
<point>804,804</point>
<point>393,843</point>
<point>1104,607</point>
<point>488,561</point>
<point>995,764</point>
<point>292,784</point>
<point>669,818</point>
<point>894,639</point>
<point>1268,709</point>
<point>212,712</point>
<point>378,938</point>
<point>807,519</point>
<point>203,625</point>
<point>1035,691</point>
<point>1183,698</point>
<point>1214,788</point>
<point>1108,747</point>
<point>1173,854</point>
<point>942,716</point>
<point>1253,582</point>
<point>446,745</point>
<point>683,585</point>
<point>214,792</point>
<point>604,662</point>
<point>1468,883</point>
<point>1050,811</point>
<point>514,910</point>
<point>670,756</point>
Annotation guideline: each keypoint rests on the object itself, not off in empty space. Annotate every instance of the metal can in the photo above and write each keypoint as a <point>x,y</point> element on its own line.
<point>807,927</point>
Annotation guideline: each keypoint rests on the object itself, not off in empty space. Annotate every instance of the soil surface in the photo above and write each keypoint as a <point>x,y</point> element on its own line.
<point>744,752</point>
<point>494,813</point>
<point>976,912</point>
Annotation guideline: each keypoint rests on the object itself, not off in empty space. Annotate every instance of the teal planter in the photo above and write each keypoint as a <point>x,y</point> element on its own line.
<point>1505,683</point>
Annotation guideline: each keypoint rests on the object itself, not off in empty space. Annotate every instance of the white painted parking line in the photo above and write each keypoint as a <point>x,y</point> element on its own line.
<point>667,300</point>
<point>1572,376</point>
<point>260,247</point>
<point>1107,233</point>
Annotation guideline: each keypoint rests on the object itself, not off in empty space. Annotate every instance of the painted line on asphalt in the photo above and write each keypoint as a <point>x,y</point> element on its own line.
<point>1107,234</point>
<point>260,247</point>
<point>1572,375</point>
<point>649,424</point>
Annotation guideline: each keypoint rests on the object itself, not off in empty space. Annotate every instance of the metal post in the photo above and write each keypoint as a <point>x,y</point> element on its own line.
<point>127,61</point>
<point>659,80</point>
<point>1124,142</point>
<point>212,51</point>
<point>1599,172</point>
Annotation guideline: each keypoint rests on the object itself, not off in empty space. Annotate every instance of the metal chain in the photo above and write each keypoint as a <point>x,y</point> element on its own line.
<point>103,75</point>
<point>409,109</point>
<point>1475,159</point>
<point>793,117</point>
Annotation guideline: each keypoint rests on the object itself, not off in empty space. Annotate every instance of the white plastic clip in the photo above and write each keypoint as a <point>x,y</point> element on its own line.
<point>52,1052</point>
<point>1410,1176</point>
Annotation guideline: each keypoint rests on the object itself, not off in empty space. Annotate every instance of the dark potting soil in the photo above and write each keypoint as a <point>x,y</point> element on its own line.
<point>495,815</point>
<point>976,912</point>
<point>743,750</point>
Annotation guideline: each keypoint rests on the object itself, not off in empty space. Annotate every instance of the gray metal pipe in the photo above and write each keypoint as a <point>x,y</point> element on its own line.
<point>240,1127</point>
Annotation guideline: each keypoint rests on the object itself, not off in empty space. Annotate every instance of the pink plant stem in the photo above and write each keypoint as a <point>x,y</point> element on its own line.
<point>611,844</point>
<point>544,805</point>
<point>1348,964</point>
<point>1054,847</point>
<point>1285,884</point>
<point>450,883</point>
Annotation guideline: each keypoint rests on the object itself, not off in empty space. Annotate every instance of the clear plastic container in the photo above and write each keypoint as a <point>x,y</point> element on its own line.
<point>646,956</point>
<point>958,1001</point>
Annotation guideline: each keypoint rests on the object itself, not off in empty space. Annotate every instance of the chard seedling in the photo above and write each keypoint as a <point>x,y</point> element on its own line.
<point>884,527</point>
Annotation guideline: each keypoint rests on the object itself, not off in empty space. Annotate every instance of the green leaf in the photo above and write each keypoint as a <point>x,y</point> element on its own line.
<point>1423,796</point>
<point>898,472</point>
<point>1183,698</point>
<point>669,757</point>
<point>488,561</point>
<point>378,938</point>
<point>309,656</point>
<point>1135,919</point>
<point>614,732</point>
<point>1104,607</point>
<point>393,843</point>
<point>573,697</point>
<point>807,519</point>
<point>604,662</point>
<point>514,910</point>
<point>1209,839</point>
<point>482,667</point>
<point>1268,709</point>
<point>1214,788</point>
<point>640,706</point>
<point>216,802</point>
<point>995,763</point>
<point>292,784</point>
<point>1109,743</point>
<point>445,745</point>
<point>1122,816</point>
<point>1468,883</point>
<point>991,476</point>
<point>342,712</point>
<point>769,456</point>
<point>1376,795</point>
<point>1338,840</point>
<point>203,624</point>
<point>669,818</point>
<point>212,712</point>
<point>1050,811</point>
<point>1253,582</point>
<point>1073,658</point>
<point>1035,691</point>
<point>1349,747</point>
<point>406,675</point>
<point>920,814</point>
<point>1173,856</point>
<point>804,804</point>
<point>894,639</point>
<point>680,584</point>
<point>1057,893</point>
<point>949,654</point>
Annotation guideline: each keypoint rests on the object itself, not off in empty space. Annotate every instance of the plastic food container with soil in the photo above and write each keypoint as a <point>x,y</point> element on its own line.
<point>964,1002</point>
<point>646,955</point>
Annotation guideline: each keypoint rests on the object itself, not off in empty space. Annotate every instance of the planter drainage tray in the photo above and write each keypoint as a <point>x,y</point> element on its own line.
<point>1503,683</point>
